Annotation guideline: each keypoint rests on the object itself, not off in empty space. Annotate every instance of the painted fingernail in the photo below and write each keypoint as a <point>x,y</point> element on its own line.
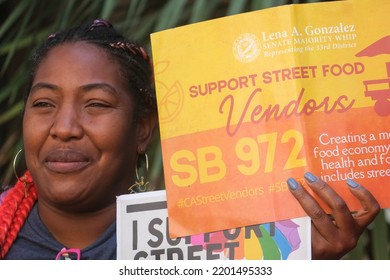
<point>310,177</point>
<point>292,184</point>
<point>352,183</point>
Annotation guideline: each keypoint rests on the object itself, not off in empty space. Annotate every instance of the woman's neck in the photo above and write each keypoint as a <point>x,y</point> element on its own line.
<point>76,230</point>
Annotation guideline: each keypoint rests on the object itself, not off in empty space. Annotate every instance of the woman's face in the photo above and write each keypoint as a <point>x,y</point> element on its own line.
<point>79,132</point>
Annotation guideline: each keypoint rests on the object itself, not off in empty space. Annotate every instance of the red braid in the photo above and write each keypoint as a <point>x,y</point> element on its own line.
<point>14,210</point>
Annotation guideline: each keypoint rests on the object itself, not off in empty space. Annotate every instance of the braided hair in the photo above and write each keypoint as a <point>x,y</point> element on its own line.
<point>14,209</point>
<point>136,69</point>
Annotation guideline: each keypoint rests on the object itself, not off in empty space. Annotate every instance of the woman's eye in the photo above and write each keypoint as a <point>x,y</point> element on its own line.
<point>42,104</point>
<point>98,104</point>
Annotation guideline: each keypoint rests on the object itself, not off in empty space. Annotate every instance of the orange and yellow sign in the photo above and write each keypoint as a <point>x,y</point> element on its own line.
<point>247,101</point>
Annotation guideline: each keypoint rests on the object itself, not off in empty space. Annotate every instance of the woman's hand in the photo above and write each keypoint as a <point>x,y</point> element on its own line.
<point>333,237</point>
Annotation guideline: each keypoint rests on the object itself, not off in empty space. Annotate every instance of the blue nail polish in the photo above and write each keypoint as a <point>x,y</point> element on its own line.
<point>292,184</point>
<point>352,183</point>
<point>311,178</point>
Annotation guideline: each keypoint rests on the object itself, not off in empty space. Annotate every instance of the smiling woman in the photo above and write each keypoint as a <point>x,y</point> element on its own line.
<point>89,114</point>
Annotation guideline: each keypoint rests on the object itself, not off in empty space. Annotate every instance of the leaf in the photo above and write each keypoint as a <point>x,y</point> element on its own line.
<point>380,234</point>
<point>236,7</point>
<point>263,4</point>
<point>13,17</point>
<point>202,10</point>
<point>108,8</point>
<point>13,87</point>
<point>170,15</point>
<point>66,14</point>
<point>21,32</point>
<point>11,112</point>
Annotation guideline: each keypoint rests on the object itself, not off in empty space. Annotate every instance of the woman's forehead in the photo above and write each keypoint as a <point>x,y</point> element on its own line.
<point>81,50</point>
<point>81,60</point>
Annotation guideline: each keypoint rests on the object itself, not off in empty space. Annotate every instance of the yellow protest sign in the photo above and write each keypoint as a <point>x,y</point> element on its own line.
<point>247,101</point>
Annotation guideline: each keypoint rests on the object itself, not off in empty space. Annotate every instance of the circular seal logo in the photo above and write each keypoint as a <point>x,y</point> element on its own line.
<point>246,48</point>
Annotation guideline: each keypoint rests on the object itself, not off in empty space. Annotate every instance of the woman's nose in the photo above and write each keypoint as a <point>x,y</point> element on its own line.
<point>67,123</point>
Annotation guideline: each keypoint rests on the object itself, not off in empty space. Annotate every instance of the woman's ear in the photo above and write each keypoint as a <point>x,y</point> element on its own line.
<point>145,129</point>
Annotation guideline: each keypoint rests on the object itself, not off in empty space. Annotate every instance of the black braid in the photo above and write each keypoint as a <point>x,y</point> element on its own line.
<point>134,61</point>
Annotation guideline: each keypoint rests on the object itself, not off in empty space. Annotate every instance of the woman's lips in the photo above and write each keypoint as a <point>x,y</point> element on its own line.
<point>66,161</point>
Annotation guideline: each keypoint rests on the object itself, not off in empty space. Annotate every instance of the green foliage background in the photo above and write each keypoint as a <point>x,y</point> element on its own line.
<point>26,23</point>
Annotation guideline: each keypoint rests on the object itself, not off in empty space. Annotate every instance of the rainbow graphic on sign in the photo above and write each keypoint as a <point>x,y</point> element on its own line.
<point>271,241</point>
